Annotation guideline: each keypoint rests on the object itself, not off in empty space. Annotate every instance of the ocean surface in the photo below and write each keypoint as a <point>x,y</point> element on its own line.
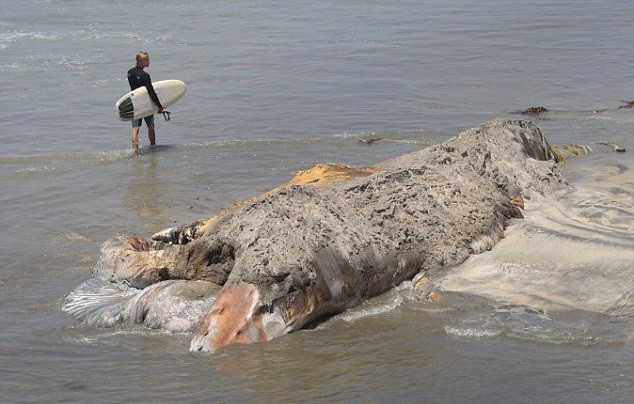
<point>275,87</point>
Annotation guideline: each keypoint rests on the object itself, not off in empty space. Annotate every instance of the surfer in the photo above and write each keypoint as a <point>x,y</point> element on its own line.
<point>137,77</point>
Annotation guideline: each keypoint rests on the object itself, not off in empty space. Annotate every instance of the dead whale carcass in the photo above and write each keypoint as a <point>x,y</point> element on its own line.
<point>300,253</point>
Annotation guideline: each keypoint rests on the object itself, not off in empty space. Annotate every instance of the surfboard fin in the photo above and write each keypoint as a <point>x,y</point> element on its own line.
<point>167,115</point>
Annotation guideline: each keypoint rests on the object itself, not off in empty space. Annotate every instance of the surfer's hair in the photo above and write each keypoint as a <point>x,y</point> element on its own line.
<point>142,55</point>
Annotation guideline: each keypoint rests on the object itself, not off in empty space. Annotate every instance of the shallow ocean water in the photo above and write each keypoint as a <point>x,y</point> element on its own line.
<point>273,88</point>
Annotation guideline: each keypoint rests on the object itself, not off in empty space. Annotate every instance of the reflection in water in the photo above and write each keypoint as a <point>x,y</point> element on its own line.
<point>143,190</point>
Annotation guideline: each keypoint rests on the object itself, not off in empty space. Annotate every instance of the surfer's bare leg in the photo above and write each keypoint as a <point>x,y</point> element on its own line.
<point>134,138</point>
<point>151,133</point>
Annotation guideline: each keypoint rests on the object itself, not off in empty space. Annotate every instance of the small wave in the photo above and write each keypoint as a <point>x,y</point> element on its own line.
<point>407,137</point>
<point>46,62</point>
<point>106,336</point>
<point>34,166</point>
<point>433,310</point>
<point>372,310</point>
<point>12,36</point>
<point>9,37</point>
<point>552,337</point>
<point>108,82</point>
<point>414,138</point>
<point>34,171</point>
<point>65,62</point>
<point>64,239</point>
<point>100,34</point>
<point>471,332</point>
<point>522,325</point>
<point>520,322</point>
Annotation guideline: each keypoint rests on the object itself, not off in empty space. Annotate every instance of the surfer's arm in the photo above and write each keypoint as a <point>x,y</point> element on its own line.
<point>151,92</point>
<point>153,96</point>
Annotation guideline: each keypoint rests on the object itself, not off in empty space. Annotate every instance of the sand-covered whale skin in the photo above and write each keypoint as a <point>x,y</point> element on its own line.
<point>335,235</point>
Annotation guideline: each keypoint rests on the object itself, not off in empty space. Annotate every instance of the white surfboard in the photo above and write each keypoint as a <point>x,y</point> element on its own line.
<point>137,103</point>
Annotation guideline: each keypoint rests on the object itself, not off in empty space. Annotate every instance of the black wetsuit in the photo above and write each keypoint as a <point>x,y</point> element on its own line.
<point>139,78</point>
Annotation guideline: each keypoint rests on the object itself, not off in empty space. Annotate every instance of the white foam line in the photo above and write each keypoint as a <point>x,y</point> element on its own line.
<point>352,316</point>
<point>471,332</point>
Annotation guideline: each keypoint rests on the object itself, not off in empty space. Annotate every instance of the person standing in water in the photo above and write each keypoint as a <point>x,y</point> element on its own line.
<point>137,77</point>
